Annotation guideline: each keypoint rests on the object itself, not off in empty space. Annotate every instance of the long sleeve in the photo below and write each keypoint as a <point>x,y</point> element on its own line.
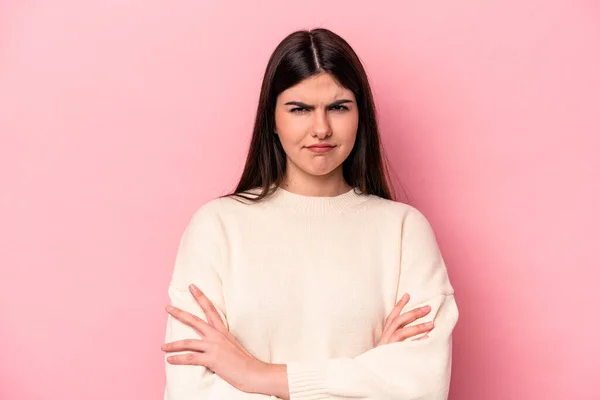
<point>197,261</point>
<point>406,370</point>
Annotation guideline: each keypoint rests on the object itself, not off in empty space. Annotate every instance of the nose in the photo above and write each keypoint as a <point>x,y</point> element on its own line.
<point>321,128</point>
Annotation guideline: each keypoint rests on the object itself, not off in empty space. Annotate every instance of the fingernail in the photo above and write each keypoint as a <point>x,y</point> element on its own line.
<point>404,297</point>
<point>169,307</point>
<point>424,308</point>
<point>193,288</point>
<point>429,323</point>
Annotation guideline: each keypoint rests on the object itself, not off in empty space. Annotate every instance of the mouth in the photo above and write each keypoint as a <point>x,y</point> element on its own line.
<point>320,148</point>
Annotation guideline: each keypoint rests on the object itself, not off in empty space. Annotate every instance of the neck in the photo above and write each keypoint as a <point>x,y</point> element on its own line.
<point>318,186</point>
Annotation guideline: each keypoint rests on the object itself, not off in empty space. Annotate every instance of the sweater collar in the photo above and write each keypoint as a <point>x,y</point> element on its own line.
<point>317,205</point>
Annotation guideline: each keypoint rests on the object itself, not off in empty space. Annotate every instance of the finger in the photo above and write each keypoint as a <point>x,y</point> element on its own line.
<point>409,316</point>
<point>411,331</point>
<point>199,325</point>
<point>185,345</point>
<point>421,338</point>
<point>397,310</point>
<point>387,332</point>
<point>210,311</point>
<point>188,359</point>
<point>403,319</point>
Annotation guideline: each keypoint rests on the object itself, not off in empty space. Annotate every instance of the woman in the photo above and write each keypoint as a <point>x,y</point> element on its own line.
<point>309,281</point>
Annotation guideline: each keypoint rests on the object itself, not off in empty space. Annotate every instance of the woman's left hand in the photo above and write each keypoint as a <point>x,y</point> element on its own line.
<point>217,349</point>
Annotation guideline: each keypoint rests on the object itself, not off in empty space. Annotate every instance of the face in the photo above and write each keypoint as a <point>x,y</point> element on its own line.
<point>316,121</point>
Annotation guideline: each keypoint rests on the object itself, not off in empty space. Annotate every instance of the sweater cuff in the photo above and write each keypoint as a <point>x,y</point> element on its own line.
<point>306,381</point>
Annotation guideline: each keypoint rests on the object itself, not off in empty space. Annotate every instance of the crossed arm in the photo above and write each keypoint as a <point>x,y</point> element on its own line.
<point>219,351</point>
<point>216,366</point>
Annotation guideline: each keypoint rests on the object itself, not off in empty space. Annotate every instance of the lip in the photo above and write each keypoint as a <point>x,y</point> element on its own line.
<point>320,148</point>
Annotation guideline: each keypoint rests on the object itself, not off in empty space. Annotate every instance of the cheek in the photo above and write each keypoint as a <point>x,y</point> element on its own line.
<point>291,129</point>
<point>345,128</point>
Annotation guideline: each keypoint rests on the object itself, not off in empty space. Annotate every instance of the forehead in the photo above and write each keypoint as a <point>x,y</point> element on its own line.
<point>317,88</point>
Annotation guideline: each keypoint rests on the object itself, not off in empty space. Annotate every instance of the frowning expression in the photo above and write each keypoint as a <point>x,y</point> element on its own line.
<point>317,121</point>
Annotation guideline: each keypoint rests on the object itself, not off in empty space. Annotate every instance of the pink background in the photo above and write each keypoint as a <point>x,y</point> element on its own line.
<point>119,118</point>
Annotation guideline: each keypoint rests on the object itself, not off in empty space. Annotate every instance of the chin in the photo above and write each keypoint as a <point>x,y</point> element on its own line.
<point>314,169</point>
<point>319,172</point>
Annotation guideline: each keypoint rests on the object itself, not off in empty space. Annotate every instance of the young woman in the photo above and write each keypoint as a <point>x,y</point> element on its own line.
<point>309,281</point>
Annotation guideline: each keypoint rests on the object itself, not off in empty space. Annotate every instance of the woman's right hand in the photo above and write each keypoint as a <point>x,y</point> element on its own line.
<point>395,330</point>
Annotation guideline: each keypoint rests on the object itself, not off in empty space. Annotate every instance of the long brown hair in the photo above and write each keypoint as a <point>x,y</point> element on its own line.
<point>300,55</point>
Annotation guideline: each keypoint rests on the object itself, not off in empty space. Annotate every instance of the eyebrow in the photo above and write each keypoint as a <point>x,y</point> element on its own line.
<point>311,107</point>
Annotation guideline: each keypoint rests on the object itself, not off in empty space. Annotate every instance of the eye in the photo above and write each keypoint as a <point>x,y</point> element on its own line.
<point>340,108</point>
<point>298,110</point>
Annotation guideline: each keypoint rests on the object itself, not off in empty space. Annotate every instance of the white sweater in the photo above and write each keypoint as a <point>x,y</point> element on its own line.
<point>308,282</point>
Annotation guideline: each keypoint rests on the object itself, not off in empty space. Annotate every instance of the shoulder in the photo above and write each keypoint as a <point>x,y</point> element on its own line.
<point>397,209</point>
<point>218,209</point>
<point>204,219</point>
<point>209,209</point>
<point>407,218</point>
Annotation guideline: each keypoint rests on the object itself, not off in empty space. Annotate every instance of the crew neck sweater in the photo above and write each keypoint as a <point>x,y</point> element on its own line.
<point>308,282</point>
